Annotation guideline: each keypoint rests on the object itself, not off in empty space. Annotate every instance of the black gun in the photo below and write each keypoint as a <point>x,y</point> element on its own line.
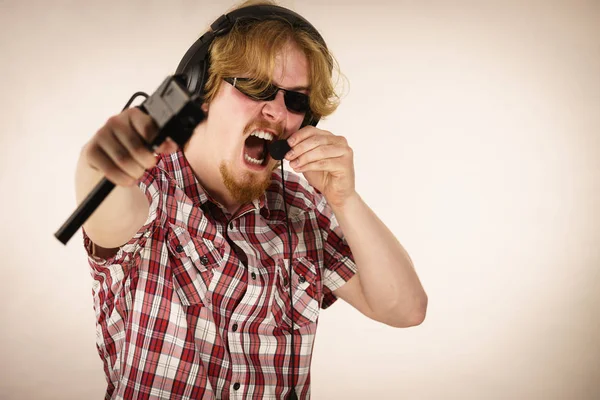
<point>176,113</point>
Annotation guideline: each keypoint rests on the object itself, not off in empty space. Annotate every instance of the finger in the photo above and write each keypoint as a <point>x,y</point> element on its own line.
<point>319,153</point>
<point>146,127</point>
<point>119,154</point>
<point>135,146</point>
<point>142,123</point>
<point>167,147</point>
<point>146,130</point>
<point>309,143</point>
<point>99,160</point>
<point>303,134</point>
<point>325,164</point>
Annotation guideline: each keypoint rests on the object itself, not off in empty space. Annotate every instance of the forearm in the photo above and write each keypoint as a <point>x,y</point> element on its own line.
<point>119,216</point>
<point>389,282</point>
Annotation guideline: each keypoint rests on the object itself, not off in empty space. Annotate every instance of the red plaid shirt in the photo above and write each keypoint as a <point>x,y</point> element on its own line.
<point>181,313</point>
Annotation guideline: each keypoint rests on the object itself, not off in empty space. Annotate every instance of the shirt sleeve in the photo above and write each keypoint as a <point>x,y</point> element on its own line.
<point>109,273</point>
<point>339,262</point>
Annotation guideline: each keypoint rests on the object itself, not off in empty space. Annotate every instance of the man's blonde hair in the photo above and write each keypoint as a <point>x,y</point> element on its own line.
<point>250,48</point>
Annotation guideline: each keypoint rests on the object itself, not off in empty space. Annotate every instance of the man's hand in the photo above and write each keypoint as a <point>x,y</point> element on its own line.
<point>325,160</point>
<point>118,151</point>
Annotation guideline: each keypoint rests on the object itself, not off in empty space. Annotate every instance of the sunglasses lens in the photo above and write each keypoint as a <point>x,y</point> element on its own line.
<point>296,102</point>
<point>269,93</point>
<point>254,90</point>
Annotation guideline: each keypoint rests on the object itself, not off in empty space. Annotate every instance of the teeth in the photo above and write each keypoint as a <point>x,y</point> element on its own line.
<point>263,135</point>
<point>253,160</point>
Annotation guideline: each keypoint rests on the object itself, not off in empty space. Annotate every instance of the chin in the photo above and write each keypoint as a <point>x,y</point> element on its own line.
<point>246,185</point>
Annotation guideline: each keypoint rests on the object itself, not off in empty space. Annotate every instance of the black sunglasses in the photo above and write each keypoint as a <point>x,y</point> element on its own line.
<point>294,101</point>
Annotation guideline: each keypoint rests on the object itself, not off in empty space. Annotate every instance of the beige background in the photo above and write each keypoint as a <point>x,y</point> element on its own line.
<point>476,130</point>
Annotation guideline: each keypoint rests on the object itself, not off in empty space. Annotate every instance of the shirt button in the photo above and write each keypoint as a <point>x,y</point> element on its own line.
<point>301,279</point>
<point>204,260</point>
<point>234,327</point>
<point>179,248</point>
<point>236,386</point>
<point>231,225</point>
<point>253,275</point>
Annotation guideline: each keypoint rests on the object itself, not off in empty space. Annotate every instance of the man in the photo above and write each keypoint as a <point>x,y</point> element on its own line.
<point>189,252</point>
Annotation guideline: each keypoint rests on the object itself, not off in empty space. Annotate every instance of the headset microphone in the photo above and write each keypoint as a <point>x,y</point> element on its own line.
<point>278,149</point>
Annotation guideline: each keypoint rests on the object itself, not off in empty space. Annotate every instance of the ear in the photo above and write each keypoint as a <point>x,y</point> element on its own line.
<point>205,107</point>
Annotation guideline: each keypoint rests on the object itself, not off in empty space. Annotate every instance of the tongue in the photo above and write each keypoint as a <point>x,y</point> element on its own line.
<point>255,147</point>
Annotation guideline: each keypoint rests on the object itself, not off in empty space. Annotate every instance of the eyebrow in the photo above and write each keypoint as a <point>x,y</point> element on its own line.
<point>295,88</point>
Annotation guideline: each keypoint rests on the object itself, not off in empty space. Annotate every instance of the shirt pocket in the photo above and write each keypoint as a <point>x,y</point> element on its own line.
<point>306,289</point>
<point>192,262</point>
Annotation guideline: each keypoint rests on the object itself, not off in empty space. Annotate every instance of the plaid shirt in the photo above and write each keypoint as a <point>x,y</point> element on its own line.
<point>196,305</point>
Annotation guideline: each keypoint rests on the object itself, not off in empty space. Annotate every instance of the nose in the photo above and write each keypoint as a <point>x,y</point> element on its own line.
<point>275,110</point>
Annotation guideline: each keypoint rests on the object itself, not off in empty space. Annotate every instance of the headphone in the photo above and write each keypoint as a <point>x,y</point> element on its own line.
<point>195,63</point>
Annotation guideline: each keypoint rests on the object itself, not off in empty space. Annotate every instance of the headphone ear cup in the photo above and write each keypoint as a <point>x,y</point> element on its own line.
<point>192,76</point>
<point>194,65</point>
<point>196,75</point>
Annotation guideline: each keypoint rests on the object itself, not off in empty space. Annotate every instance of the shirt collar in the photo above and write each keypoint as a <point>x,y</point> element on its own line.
<point>178,168</point>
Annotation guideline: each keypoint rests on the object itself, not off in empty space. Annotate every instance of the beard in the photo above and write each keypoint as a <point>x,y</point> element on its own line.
<point>249,187</point>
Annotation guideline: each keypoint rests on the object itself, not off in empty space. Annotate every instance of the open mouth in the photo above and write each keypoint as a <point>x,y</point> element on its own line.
<point>255,148</point>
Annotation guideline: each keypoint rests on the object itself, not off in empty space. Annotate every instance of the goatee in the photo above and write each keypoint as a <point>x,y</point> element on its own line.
<point>249,187</point>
